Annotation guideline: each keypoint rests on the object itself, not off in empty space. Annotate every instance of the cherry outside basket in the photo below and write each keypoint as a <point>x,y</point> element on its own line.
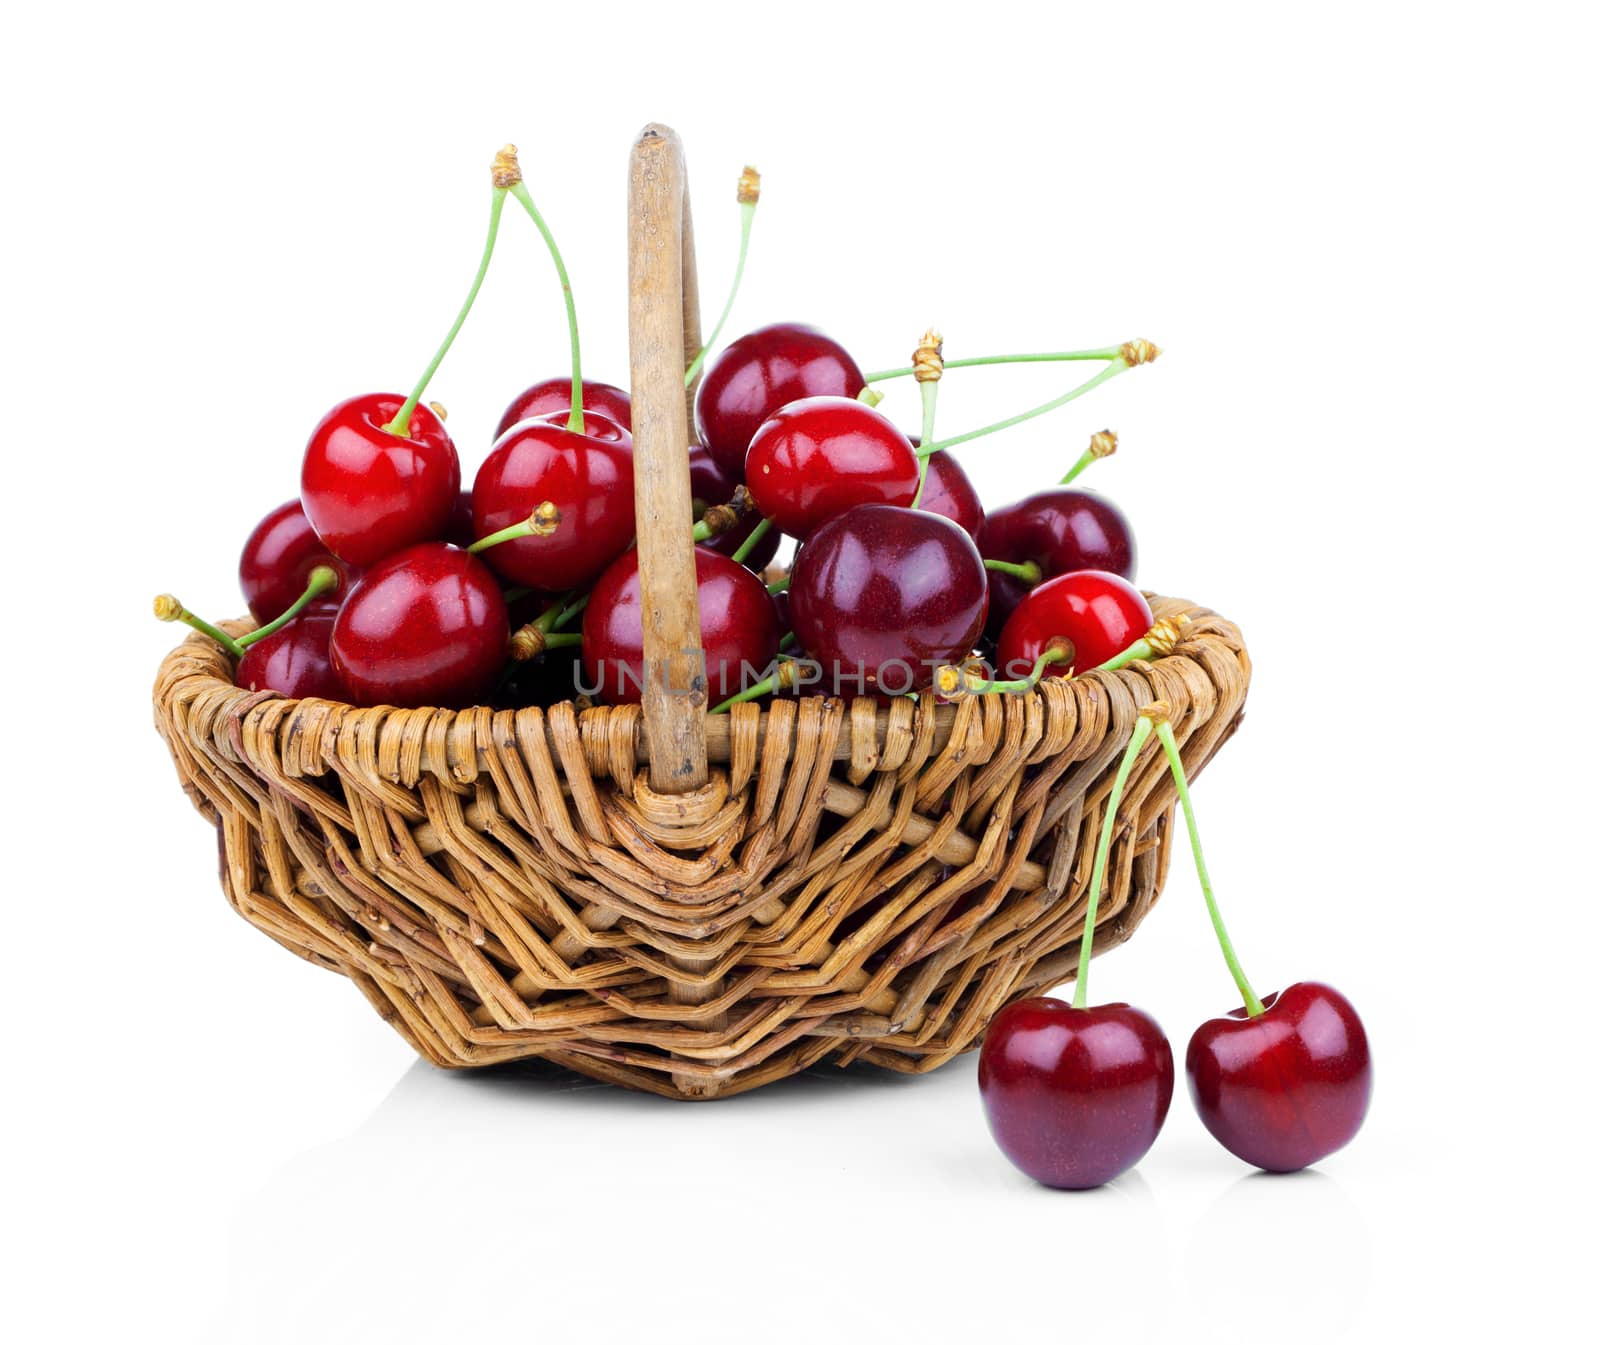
<point>687,903</point>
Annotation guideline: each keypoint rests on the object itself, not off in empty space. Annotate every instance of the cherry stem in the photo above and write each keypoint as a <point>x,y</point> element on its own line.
<point>1027,571</point>
<point>779,585</point>
<point>570,611</point>
<point>1159,641</point>
<point>168,608</point>
<point>401,424</point>
<point>321,580</point>
<point>790,639</point>
<point>930,400</point>
<point>1102,852</point>
<point>1141,650</point>
<point>543,521</point>
<point>956,680</point>
<point>1048,357</point>
<point>760,530</point>
<point>1252,1002</point>
<point>1117,366</point>
<point>575,418</point>
<point>765,687</point>
<point>1102,444</point>
<point>747,210</point>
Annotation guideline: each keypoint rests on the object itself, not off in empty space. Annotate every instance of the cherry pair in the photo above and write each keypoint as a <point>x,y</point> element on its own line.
<point>1076,1095</point>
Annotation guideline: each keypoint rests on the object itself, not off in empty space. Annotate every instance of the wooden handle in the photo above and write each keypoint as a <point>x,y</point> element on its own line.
<point>674,664</point>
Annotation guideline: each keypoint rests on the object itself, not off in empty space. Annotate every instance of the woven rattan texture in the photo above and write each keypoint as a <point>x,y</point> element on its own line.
<point>856,882</point>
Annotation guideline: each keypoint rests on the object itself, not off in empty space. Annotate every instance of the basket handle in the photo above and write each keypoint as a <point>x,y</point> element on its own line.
<point>662,308</point>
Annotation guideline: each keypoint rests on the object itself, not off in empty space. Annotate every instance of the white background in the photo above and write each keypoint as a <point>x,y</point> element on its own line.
<point>1364,235</point>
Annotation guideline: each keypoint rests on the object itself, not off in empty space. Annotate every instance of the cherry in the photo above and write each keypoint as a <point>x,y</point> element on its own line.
<point>426,626</point>
<point>1074,1097</point>
<point>1287,1086</point>
<point>1097,614</point>
<point>368,491</point>
<point>278,558</point>
<point>294,660</point>
<point>555,395</point>
<point>587,474</point>
<point>711,484</point>
<point>1077,1095</point>
<point>949,492</point>
<point>821,455</point>
<point>458,531</point>
<point>1058,530</point>
<point>763,372</point>
<point>738,627</point>
<point>881,596</point>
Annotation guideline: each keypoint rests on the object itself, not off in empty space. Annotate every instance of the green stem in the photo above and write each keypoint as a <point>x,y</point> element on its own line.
<point>1141,731</point>
<point>168,608</point>
<point>749,544</point>
<point>790,639</point>
<point>541,523</point>
<point>1252,1002</point>
<point>1140,650</point>
<point>1028,571</point>
<point>567,613</point>
<point>562,639</point>
<point>1054,654</point>
<point>320,581</point>
<point>575,418</point>
<point>1085,460</point>
<point>748,215</point>
<point>401,424</point>
<point>779,585</point>
<point>930,400</point>
<point>765,687</point>
<point>1048,357</point>
<point>1117,366</point>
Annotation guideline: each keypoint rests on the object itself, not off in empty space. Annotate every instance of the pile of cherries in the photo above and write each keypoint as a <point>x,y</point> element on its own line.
<point>384,583</point>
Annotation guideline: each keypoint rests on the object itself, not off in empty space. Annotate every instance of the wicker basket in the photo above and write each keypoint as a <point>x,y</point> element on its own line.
<point>673,901</point>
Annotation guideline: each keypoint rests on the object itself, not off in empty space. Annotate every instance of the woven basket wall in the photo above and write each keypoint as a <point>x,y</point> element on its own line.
<point>856,881</point>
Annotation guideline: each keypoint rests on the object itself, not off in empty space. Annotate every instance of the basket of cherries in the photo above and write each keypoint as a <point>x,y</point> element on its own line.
<point>561,765</point>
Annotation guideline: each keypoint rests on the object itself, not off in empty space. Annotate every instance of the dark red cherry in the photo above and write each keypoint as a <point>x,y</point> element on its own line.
<point>711,484</point>
<point>1287,1087</point>
<point>883,596</point>
<point>555,395</point>
<point>762,372</point>
<point>1059,530</point>
<point>458,530</point>
<point>278,558</point>
<point>738,628</point>
<point>294,660</point>
<point>1101,614</point>
<point>368,492</point>
<point>949,492</point>
<point>1074,1097</point>
<point>589,478</point>
<point>819,456</point>
<point>427,626</point>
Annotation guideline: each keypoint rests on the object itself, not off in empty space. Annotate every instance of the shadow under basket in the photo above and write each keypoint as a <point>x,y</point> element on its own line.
<point>686,903</point>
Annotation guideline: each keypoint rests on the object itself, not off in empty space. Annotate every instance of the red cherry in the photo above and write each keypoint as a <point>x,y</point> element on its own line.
<point>1074,1097</point>
<point>554,396</point>
<point>881,597</point>
<point>1287,1087</point>
<point>278,558</point>
<point>1059,530</point>
<point>368,492</point>
<point>458,530</point>
<point>711,484</point>
<point>738,628</point>
<point>294,661</point>
<point>1101,614</point>
<point>822,455</point>
<point>587,476</point>
<point>427,626</point>
<point>763,372</point>
<point>949,493</point>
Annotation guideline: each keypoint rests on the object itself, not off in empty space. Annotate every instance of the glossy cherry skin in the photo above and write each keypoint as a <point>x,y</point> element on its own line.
<point>738,628</point>
<point>763,372</point>
<point>1287,1087</point>
<point>278,558</point>
<point>819,456</point>
<point>426,626</point>
<point>881,596</point>
<point>1059,530</point>
<point>367,492</point>
<point>294,661</point>
<point>1102,614</point>
<point>949,492</point>
<point>710,484</point>
<point>554,396</point>
<point>1074,1097</point>
<point>588,476</point>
